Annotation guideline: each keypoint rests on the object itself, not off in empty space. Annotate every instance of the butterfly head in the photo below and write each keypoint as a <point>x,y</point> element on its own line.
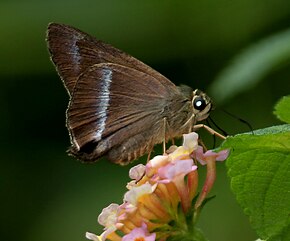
<point>201,105</point>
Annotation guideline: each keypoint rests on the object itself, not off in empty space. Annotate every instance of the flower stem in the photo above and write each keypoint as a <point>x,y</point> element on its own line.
<point>209,181</point>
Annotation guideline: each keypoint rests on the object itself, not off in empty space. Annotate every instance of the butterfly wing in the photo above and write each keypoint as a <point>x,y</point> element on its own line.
<point>118,104</point>
<point>117,111</point>
<point>74,51</point>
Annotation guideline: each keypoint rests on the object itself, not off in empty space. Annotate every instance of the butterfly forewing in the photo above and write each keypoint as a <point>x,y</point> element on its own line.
<point>73,51</point>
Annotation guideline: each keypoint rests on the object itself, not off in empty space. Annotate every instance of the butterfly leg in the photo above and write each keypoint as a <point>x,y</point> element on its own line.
<point>149,154</point>
<point>190,126</point>
<point>210,130</point>
<point>164,134</point>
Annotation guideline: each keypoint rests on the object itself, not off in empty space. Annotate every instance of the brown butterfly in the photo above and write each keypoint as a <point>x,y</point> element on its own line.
<point>119,107</point>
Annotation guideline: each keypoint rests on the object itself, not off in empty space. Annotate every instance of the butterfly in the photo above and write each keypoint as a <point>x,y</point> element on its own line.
<point>119,107</point>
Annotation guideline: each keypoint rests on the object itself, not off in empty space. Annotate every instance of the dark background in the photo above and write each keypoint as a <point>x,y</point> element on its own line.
<point>48,196</point>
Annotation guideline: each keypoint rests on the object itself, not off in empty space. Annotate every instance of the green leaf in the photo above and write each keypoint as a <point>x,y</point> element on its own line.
<point>282,109</point>
<point>259,168</point>
<point>251,65</point>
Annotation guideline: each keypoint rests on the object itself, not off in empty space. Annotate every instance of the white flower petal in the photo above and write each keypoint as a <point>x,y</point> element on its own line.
<point>137,172</point>
<point>190,141</point>
<point>132,195</point>
<point>158,161</point>
<point>108,217</point>
<point>94,237</point>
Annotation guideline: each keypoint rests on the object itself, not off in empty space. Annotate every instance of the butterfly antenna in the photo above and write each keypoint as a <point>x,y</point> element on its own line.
<point>240,119</point>
<point>216,125</point>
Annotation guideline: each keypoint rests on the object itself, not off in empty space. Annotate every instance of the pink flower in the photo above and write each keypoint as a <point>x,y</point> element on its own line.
<point>140,234</point>
<point>202,157</point>
<point>109,219</point>
<point>137,172</point>
<point>157,162</point>
<point>172,170</point>
<point>161,193</point>
<point>109,215</point>
<point>175,172</point>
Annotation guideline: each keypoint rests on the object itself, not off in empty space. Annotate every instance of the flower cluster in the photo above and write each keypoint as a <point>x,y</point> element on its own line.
<point>162,199</point>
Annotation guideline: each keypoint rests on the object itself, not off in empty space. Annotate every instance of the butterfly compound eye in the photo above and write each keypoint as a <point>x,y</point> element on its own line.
<point>199,103</point>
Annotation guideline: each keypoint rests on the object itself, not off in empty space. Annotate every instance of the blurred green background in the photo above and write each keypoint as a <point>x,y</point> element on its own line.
<point>48,196</point>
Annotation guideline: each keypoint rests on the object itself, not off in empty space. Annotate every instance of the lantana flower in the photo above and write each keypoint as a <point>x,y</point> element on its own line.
<point>139,234</point>
<point>202,156</point>
<point>162,199</point>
